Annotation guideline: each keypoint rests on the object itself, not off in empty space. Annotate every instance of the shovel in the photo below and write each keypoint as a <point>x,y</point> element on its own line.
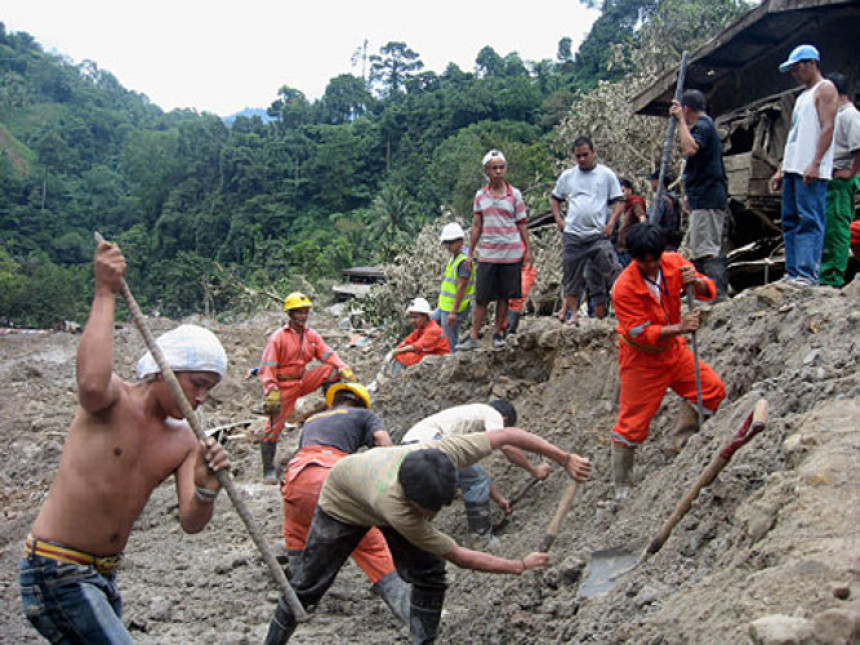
<point>608,565</point>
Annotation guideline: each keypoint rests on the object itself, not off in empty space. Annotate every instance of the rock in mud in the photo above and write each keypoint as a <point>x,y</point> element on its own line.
<point>777,629</point>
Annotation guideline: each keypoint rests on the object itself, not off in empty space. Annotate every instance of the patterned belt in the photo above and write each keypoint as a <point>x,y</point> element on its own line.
<point>102,564</point>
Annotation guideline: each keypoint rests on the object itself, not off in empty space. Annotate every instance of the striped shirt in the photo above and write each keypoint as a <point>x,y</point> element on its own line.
<point>500,241</point>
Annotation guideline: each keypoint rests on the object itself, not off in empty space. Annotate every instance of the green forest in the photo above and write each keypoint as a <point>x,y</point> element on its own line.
<point>344,180</point>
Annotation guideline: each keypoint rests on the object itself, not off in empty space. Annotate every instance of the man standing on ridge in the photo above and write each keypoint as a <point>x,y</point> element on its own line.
<point>282,372</point>
<point>400,490</point>
<point>590,189</point>
<point>458,285</point>
<point>124,441</point>
<point>328,437</point>
<point>706,186</point>
<point>474,481</point>
<point>501,240</point>
<point>807,166</point>
<point>653,354</point>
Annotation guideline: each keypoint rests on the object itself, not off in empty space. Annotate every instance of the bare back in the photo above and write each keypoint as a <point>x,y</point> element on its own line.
<point>111,463</point>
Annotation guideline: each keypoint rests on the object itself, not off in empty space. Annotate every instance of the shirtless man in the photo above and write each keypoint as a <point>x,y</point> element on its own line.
<point>125,439</point>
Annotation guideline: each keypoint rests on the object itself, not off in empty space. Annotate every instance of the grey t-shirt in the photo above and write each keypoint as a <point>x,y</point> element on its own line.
<point>846,136</point>
<point>589,193</point>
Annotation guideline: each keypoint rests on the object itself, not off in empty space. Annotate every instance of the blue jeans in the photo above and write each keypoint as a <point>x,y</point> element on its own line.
<point>71,603</point>
<point>803,216</point>
<point>475,484</point>
<point>451,333</point>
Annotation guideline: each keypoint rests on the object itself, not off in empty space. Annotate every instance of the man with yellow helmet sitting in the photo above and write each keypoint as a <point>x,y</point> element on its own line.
<point>284,377</point>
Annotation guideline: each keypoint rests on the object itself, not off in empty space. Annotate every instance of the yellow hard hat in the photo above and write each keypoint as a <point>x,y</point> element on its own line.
<point>356,388</point>
<point>297,300</point>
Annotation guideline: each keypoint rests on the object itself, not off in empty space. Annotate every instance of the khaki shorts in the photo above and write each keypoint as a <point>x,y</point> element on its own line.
<point>705,233</point>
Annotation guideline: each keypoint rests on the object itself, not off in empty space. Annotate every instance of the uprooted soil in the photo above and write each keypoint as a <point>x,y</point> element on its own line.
<point>771,545</point>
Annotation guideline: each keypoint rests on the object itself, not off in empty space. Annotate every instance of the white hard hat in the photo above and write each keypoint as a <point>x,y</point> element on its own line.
<point>419,306</point>
<point>452,231</point>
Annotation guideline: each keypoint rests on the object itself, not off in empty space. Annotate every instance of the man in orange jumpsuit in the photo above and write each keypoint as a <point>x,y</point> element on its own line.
<point>282,371</point>
<point>427,339</point>
<point>327,438</point>
<point>653,354</point>
<point>516,305</point>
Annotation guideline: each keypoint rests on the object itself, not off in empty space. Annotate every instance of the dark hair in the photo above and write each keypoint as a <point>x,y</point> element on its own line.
<point>583,141</point>
<point>506,409</point>
<point>345,397</point>
<point>840,81</point>
<point>625,183</point>
<point>429,478</point>
<point>694,100</point>
<point>644,239</point>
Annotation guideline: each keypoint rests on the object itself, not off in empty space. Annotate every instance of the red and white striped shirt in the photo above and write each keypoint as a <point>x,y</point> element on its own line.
<point>500,241</point>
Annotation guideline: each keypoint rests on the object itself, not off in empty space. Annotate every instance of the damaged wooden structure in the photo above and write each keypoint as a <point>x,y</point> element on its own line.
<point>751,103</point>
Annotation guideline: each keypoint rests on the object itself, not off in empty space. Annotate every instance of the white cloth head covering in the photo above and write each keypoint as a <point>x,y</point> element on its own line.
<point>491,155</point>
<point>188,348</point>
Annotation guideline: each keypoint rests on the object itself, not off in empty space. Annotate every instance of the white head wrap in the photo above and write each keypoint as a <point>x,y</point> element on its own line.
<point>491,155</point>
<point>188,348</point>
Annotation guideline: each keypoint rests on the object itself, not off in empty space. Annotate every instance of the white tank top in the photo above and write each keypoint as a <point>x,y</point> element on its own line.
<point>803,137</point>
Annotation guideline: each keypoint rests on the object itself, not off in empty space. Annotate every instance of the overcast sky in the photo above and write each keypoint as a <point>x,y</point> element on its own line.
<point>222,57</point>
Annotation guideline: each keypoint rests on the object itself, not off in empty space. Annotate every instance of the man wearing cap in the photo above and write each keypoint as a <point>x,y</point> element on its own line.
<point>427,339</point>
<point>284,376</point>
<point>842,188</point>
<point>124,440</point>
<point>458,285</point>
<point>706,186</point>
<point>501,240</point>
<point>327,437</point>
<point>807,166</point>
<point>591,190</point>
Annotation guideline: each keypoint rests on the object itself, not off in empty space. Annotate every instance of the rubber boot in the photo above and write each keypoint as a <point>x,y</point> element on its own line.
<point>283,624</point>
<point>396,594</point>
<point>686,425</point>
<point>717,269</point>
<point>267,451</point>
<point>622,469</point>
<point>513,322</point>
<point>480,524</point>
<point>425,612</point>
<point>294,556</point>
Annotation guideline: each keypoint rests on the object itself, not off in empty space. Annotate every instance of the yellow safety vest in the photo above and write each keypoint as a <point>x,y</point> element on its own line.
<point>448,290</point>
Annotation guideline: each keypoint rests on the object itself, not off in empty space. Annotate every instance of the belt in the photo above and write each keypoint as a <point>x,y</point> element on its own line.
<point>101,563</point>
<point>289,378</point>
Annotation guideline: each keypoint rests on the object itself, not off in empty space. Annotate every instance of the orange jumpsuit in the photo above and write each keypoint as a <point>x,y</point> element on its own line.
<point>429,339</point>
<point>649,365</point>
<point>303,481</point>
<point>283,366</point>
<point>529,274</point>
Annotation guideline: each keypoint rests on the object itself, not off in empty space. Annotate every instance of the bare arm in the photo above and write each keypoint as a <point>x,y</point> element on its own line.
<point>577,467</point>
<point>617,209</point>
<point>826,100</point>
<point>477,229</point>
<point>382,438</point>
<point>689,147</point>
<point>480,561</point>
<point>194,477</point>
<point>518,458</point>
<point>555,205</point>
<point>98,386</point>
<point>528,258</point>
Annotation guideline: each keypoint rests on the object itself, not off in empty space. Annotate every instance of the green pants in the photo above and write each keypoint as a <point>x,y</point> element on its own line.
<point>837,231</point>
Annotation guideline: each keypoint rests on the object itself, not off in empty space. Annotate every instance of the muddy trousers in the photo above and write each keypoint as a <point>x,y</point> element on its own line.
<point>290,393</point>
<point>329,544</point>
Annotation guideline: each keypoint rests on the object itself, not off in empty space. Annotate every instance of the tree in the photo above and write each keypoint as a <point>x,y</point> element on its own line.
<point>489,63</point>
<point>391,219</point>
<point>345,99</point>
<point>291,108</point>
<point>392,67</point>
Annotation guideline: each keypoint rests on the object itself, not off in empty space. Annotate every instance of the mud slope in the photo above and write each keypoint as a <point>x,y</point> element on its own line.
<point>775,535</point>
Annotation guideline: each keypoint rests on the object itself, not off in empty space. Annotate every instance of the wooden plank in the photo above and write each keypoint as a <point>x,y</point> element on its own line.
<point>738,162</point>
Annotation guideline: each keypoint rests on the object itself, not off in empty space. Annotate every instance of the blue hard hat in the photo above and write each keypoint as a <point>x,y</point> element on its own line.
<point>798,54</point>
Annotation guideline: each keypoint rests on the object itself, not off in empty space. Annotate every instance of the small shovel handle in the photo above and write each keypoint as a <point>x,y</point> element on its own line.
<point>563,507</point>
<point>754,424</point>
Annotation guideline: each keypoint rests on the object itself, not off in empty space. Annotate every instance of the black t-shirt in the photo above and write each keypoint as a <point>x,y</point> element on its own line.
<point>344,428</point>
<point>704,174</point>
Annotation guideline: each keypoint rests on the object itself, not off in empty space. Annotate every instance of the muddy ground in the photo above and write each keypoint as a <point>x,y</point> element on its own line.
<point>769,553</point>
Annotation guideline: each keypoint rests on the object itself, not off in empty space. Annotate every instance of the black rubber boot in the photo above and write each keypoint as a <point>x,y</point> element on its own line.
<point>480,523</point>
<point>622,469</point>
<point>283,624</point>
<point>267,451</point>
<point>424,615</point>
<point>396,594</point>
<point>513,322</point>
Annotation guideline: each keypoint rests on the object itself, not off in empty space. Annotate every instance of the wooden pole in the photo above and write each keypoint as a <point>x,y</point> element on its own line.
<point>224,477</point>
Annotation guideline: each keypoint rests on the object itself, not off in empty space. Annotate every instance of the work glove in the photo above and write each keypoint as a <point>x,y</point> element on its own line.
<point>347,375</point>
<point>272,402</point>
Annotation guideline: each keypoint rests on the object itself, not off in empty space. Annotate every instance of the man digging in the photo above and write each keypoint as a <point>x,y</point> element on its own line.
<point>401,490</point>
<point>125,439</point>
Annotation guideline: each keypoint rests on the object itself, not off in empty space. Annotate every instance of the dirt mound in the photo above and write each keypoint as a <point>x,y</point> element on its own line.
<point>770,548</point>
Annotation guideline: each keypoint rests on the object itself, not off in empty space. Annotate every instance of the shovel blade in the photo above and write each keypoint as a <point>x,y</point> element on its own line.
<point>604,569</point>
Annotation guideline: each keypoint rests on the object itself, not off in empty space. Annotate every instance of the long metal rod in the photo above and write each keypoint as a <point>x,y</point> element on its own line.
<point>670,141</point>
<point>695,344</point>
<point>224,477</point>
